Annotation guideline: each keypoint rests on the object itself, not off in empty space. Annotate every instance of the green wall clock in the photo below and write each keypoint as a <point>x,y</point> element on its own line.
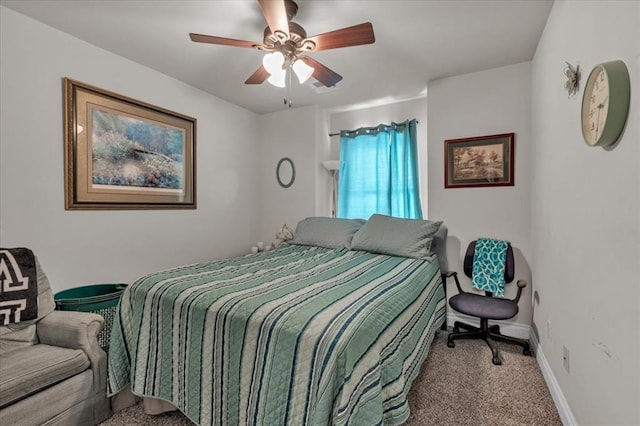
<point>605,103</point>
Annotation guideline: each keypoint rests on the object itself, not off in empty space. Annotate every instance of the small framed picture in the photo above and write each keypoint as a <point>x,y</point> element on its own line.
<point>121,153</point>
<point>479,161</point>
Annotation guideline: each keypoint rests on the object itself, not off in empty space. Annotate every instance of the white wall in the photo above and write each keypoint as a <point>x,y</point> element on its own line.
<point>324,182</point>
<point>483,103</point>
<point>586,217</point>
<point>84,247</point>
<point>290,133</point>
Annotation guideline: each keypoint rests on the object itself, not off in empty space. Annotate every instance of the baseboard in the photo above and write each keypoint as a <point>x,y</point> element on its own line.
<point>514,329</point>
<point>554,387</point>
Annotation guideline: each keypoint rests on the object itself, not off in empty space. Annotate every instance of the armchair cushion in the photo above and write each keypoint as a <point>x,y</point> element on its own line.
<point>17,336</point>
<point>77,330</point>
<point>25,372</point>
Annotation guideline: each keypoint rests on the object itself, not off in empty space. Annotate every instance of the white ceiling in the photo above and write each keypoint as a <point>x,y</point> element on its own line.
<point>416,41</point>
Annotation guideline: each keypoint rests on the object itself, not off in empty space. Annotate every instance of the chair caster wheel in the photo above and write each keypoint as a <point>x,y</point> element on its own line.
<point>451,344</point>
<point>527,352</point>
<point>496,360</point>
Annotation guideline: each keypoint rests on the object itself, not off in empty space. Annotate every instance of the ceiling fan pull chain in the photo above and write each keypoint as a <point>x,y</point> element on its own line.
<point>288,87</point>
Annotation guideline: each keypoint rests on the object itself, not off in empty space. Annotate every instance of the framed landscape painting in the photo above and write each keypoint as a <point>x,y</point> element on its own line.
<point>479,161</point>
<point>125,154</point>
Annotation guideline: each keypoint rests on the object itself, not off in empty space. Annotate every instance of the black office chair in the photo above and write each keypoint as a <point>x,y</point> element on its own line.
<point>486,307</point>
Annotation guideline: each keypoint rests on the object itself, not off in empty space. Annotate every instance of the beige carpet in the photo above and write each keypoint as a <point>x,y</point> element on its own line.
<point>458,386</point>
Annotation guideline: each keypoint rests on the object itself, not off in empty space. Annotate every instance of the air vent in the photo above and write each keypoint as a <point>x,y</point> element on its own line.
<point>319,87</point>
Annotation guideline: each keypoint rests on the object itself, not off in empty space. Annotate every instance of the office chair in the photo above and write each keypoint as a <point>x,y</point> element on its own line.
<point>486,307</point>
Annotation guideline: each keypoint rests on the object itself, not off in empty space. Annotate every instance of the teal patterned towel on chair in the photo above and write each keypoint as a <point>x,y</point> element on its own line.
<point>489,262</point>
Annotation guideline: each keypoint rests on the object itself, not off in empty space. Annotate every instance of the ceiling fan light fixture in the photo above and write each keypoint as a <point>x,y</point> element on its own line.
<point>303,70</point>
<point>278,78</point>
<point>273,62</point>
<point>287,40</point>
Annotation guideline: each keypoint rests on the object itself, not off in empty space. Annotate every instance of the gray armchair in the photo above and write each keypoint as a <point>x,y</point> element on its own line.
<point>52,369</point>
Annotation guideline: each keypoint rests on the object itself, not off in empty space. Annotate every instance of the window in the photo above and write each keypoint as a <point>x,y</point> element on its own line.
<point>379,172</point>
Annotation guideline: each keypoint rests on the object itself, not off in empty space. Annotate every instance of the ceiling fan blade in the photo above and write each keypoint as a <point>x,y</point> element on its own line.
<point>201,38</point>
<point>275,13</point>
<point>321,73</point>
<point>345,37</point>
<point>258,77</point>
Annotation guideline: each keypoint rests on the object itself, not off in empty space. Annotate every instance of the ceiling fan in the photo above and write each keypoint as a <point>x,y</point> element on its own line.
<point>288,43</point>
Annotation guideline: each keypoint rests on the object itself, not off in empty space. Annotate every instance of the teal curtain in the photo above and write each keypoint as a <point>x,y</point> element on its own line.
<point>379,172</point>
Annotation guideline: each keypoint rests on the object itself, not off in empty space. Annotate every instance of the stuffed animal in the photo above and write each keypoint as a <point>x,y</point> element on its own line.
<point>283,235</point>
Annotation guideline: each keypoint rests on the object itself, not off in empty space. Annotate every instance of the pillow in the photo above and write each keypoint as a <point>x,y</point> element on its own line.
<point>17,336</point>
<point>439,248</point>
<point>326,232</point>
<point>396,237</point>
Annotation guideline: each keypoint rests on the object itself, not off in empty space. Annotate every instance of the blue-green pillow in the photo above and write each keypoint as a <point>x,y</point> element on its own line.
<point>326,232</point>
<point>396,237</point>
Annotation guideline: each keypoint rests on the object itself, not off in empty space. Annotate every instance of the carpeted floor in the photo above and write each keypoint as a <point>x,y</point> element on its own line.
<point>458,386</point>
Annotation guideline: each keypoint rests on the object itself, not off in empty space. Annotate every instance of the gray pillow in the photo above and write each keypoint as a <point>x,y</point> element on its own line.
<point>326,232</point>
<point>396,237</point>
<point>439,248</point>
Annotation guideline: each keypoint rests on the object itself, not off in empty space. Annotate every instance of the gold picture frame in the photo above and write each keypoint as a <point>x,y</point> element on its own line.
<point>479,161</point>
<point>121,153</point>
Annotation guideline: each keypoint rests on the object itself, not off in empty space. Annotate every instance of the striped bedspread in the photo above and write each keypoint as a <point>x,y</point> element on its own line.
<point>299,335</point>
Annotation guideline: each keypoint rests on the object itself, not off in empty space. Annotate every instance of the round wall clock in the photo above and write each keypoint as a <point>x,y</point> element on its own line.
<point>605,103</point>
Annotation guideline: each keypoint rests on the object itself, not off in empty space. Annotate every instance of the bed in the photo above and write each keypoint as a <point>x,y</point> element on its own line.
<point>325,329</point>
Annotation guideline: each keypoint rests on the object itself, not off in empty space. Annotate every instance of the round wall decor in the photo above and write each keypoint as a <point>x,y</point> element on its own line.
<point>285,172</point>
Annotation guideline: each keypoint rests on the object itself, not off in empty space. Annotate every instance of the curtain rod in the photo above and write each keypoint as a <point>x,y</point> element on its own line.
<point>338,134</point>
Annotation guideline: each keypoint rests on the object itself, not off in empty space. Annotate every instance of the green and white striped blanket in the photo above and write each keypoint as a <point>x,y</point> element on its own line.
<point>300,335</point>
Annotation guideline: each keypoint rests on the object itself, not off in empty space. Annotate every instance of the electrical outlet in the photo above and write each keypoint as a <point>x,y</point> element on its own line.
<point>549,335</point>
<point>565,358</point>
